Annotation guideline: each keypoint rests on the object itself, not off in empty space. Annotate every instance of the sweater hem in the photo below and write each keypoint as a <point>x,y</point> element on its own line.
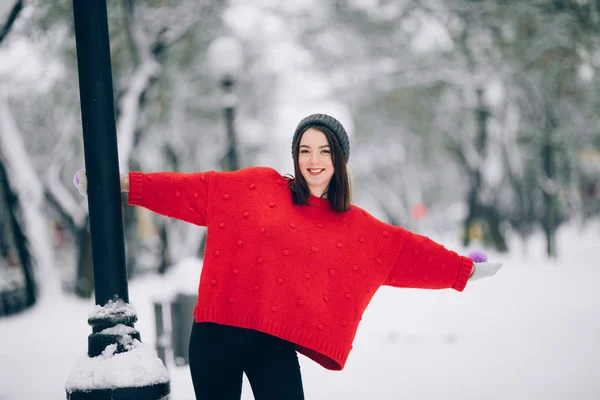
<point>324,352</point>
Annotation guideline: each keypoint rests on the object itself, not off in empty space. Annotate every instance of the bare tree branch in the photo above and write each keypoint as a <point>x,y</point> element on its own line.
<point>128,22</point>
<point>147,48</point>
<point>145,69</point>
<point>26,185</point>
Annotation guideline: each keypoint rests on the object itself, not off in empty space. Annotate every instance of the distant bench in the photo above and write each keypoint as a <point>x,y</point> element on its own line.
<point>13,301</point>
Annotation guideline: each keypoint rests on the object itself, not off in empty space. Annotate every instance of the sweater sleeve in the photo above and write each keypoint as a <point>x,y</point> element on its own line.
<point>172,194</point>
<point>423,263</point>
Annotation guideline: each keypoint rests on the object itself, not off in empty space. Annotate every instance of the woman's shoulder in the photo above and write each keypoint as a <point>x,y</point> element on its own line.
<point>368,219</point>
<point>265,171</point>
<point>246,176</point>
<point>249,172</point>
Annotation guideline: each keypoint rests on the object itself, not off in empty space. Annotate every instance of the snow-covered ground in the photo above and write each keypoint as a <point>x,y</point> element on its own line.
<point>530,332</point>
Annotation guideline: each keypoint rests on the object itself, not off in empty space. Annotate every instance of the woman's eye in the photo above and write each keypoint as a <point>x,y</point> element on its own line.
<point>326,151</point>
<point>303,151</point>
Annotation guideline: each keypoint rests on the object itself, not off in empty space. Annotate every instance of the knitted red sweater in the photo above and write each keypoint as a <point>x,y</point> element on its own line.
<point>302,273</point>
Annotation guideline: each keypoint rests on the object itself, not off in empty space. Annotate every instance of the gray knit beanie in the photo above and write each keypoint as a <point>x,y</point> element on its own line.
<point>328,121</point>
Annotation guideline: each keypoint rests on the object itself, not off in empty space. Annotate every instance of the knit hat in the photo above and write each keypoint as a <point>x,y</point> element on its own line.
<point>328,121</point>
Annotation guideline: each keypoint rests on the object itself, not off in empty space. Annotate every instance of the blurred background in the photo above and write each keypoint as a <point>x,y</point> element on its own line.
<point>472,121</point>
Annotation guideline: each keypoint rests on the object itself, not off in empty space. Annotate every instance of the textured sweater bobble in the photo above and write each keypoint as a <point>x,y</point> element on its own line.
<point>302,273</point>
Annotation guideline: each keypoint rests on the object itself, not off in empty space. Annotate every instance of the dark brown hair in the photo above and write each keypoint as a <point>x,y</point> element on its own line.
<point>339,191</point>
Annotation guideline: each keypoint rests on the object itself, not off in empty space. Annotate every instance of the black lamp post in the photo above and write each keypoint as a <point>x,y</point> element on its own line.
<point>225,56</point>
<point>112,322</point>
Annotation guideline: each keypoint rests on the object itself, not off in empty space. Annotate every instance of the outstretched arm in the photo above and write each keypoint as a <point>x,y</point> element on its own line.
<point>425,264</point>
<point>173,194</point>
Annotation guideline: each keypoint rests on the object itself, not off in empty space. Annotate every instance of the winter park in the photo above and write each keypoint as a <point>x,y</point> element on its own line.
<point>350,199</point>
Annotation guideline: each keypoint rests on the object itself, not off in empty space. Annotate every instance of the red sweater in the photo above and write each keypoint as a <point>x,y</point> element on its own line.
<point>302,273</point>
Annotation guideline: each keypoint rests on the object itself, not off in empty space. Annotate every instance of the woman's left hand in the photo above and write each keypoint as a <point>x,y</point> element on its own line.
<point>484,269</point>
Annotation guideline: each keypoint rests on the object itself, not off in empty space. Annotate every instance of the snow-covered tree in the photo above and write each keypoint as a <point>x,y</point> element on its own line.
<point>502,83</point>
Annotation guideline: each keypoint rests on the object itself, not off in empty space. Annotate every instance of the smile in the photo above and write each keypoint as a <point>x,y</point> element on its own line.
<point>315,172</point>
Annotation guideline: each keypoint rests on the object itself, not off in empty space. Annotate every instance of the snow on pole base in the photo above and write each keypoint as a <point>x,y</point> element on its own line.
<point>124,368</point>
<point>112,324</point>
<point>135,374</point>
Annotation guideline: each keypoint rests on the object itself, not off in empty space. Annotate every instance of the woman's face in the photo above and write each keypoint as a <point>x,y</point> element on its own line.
<point>315,162</point>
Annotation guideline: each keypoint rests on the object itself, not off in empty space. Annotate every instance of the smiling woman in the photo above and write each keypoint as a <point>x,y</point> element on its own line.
<point>290,265</point>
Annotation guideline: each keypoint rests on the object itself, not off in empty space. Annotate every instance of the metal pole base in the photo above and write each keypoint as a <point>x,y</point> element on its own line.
<point>154,392</point>
<point>112,325</point>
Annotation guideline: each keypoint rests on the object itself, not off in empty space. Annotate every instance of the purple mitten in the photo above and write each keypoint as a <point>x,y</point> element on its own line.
<point>478,256</point>
<point>76,177</point>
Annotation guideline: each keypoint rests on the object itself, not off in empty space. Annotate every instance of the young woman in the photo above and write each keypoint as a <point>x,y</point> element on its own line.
<point>290,264</point>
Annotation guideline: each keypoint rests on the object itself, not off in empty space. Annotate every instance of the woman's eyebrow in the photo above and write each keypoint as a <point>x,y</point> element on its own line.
<point>320,147</point>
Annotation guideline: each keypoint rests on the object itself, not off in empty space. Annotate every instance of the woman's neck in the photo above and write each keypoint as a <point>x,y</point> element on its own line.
<point>321,195</point>
<point>318,192</point>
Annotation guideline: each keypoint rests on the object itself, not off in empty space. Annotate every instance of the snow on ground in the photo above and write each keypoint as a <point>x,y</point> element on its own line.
<point>530,332</point>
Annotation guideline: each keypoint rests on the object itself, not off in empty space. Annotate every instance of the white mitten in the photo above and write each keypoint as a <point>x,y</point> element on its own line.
<point>122,181</point>
<point>484,269</point>
<point>80,182</point>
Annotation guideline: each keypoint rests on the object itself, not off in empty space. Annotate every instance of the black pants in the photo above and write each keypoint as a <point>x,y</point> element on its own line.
<point>220,354</point>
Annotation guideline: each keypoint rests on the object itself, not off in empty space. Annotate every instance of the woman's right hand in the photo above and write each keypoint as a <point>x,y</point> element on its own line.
<point>81,183</point>
<point>125,183</point>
